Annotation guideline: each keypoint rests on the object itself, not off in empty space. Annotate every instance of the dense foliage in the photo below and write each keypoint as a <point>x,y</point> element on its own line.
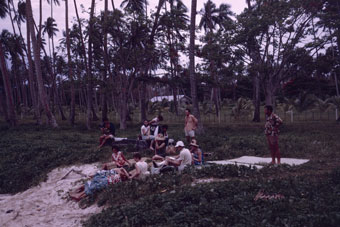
<point>299,202</point>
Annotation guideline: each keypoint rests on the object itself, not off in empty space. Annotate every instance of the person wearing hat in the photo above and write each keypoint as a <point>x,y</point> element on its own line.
<point>182,160</point>
<point>197,154</point>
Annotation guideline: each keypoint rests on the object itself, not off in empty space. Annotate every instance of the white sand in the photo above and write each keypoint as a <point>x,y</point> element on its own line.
<point>47,204</point>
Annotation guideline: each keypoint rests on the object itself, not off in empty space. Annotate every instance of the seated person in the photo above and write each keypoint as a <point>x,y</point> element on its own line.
<point>197,154</point>
<point>170,149</point>
<point>181,161</point>
<point>154,128</point>
<point>145,130</point>
<point>160,147</point>
<point>164,131</point>
<point>141,168</point>
<point>99,181</point>
<point>156,120</point>
<point>108,130</point>
<point>118,159</point>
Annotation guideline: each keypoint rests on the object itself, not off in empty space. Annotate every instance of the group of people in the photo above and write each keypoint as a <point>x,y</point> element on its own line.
<point>167,155</point>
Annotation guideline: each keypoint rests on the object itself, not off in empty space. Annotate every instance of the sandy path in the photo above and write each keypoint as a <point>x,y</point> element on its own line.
<point>47,203</point>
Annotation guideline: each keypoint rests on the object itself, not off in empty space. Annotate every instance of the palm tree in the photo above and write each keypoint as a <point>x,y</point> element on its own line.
<point>174,22</point>
<point>69,64</point>
<point>211,17</point>
<point>193,84</point>
<point>134,6</point>
<point>36,51</point>
<point>4,72</point>
<point>106,63</point>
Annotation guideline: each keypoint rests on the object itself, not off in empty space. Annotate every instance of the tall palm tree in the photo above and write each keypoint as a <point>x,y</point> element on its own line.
<point>36,51</point>
<point>4,72</point>
<point>174,22</point>
<point>211,17</point>
<point>106,63</point>
<point>69,65</point>
<point>193,84</point>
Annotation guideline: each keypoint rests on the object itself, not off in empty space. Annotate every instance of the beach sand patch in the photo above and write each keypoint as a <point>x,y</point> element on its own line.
<point>47,204</point>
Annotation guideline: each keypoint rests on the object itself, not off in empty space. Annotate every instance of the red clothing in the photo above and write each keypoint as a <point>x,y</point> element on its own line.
<point>118,159</point>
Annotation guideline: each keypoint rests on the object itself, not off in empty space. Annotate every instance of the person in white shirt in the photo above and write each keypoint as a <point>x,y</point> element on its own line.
<point>145,130</point>
<point>141,168</point>
<point>181,161</point>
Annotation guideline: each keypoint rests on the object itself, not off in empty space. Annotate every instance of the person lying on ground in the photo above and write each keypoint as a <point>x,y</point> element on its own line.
<point>160,146</point>
<point>108,130</point>
<point>180,161</point>
<point>197,154</point>
<point>99,181</point>
<point>118,159</point>
<point>141,168</point>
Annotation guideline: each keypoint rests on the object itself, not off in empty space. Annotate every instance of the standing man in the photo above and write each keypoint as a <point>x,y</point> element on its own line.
<point>272,125</point>
<point>190,125</point>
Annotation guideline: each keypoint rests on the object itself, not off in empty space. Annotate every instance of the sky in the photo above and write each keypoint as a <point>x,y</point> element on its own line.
<point>59,11</point>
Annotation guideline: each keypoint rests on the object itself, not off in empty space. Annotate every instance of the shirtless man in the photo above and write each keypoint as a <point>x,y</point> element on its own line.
<point>190,125</point>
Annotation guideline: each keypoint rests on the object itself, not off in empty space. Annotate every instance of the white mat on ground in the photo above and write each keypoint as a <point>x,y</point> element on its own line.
<point>46,204</point>
<point>258,162</point>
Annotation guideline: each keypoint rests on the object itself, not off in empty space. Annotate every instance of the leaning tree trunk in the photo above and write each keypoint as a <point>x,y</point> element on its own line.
<point>193,84</point>
<point>36,51</point>
<point>8,90</point>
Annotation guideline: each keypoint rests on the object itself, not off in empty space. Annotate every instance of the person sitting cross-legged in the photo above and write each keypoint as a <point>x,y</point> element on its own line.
<point>98,182</point>
<point>180,161</point>
<point>141,168</point>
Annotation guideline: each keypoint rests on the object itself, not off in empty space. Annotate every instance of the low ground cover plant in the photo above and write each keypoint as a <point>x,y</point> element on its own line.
<point>293,201</point>
<point>29,152</point>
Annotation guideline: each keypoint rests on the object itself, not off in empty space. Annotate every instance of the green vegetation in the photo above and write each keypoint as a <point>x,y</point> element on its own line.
<point>310,191</point>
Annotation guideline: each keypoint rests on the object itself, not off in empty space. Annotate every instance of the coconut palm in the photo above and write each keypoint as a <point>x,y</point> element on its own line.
<point>134,6</point>
<point>212,17</point>
<point>69,65</point>
<point>193,84</point>
<point>36,51</point>
<point>4,72</point>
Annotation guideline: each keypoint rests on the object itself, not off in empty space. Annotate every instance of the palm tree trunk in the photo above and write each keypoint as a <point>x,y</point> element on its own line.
<point>89,82</point>
<point>36,51</point>
<point>103,89</point>
<point>31,78</point>
<point>70,70</point>
<point>8,90</point>
<point>193,84</point>
<point>3,106</point>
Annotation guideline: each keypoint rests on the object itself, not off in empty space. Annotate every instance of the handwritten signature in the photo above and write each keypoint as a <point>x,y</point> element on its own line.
<point>261,196</point>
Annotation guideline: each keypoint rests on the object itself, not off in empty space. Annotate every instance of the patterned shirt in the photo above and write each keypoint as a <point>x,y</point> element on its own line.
<point>272,125</point>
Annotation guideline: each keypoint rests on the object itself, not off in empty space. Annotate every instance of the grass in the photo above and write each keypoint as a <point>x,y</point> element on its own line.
<point>29,152</point>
